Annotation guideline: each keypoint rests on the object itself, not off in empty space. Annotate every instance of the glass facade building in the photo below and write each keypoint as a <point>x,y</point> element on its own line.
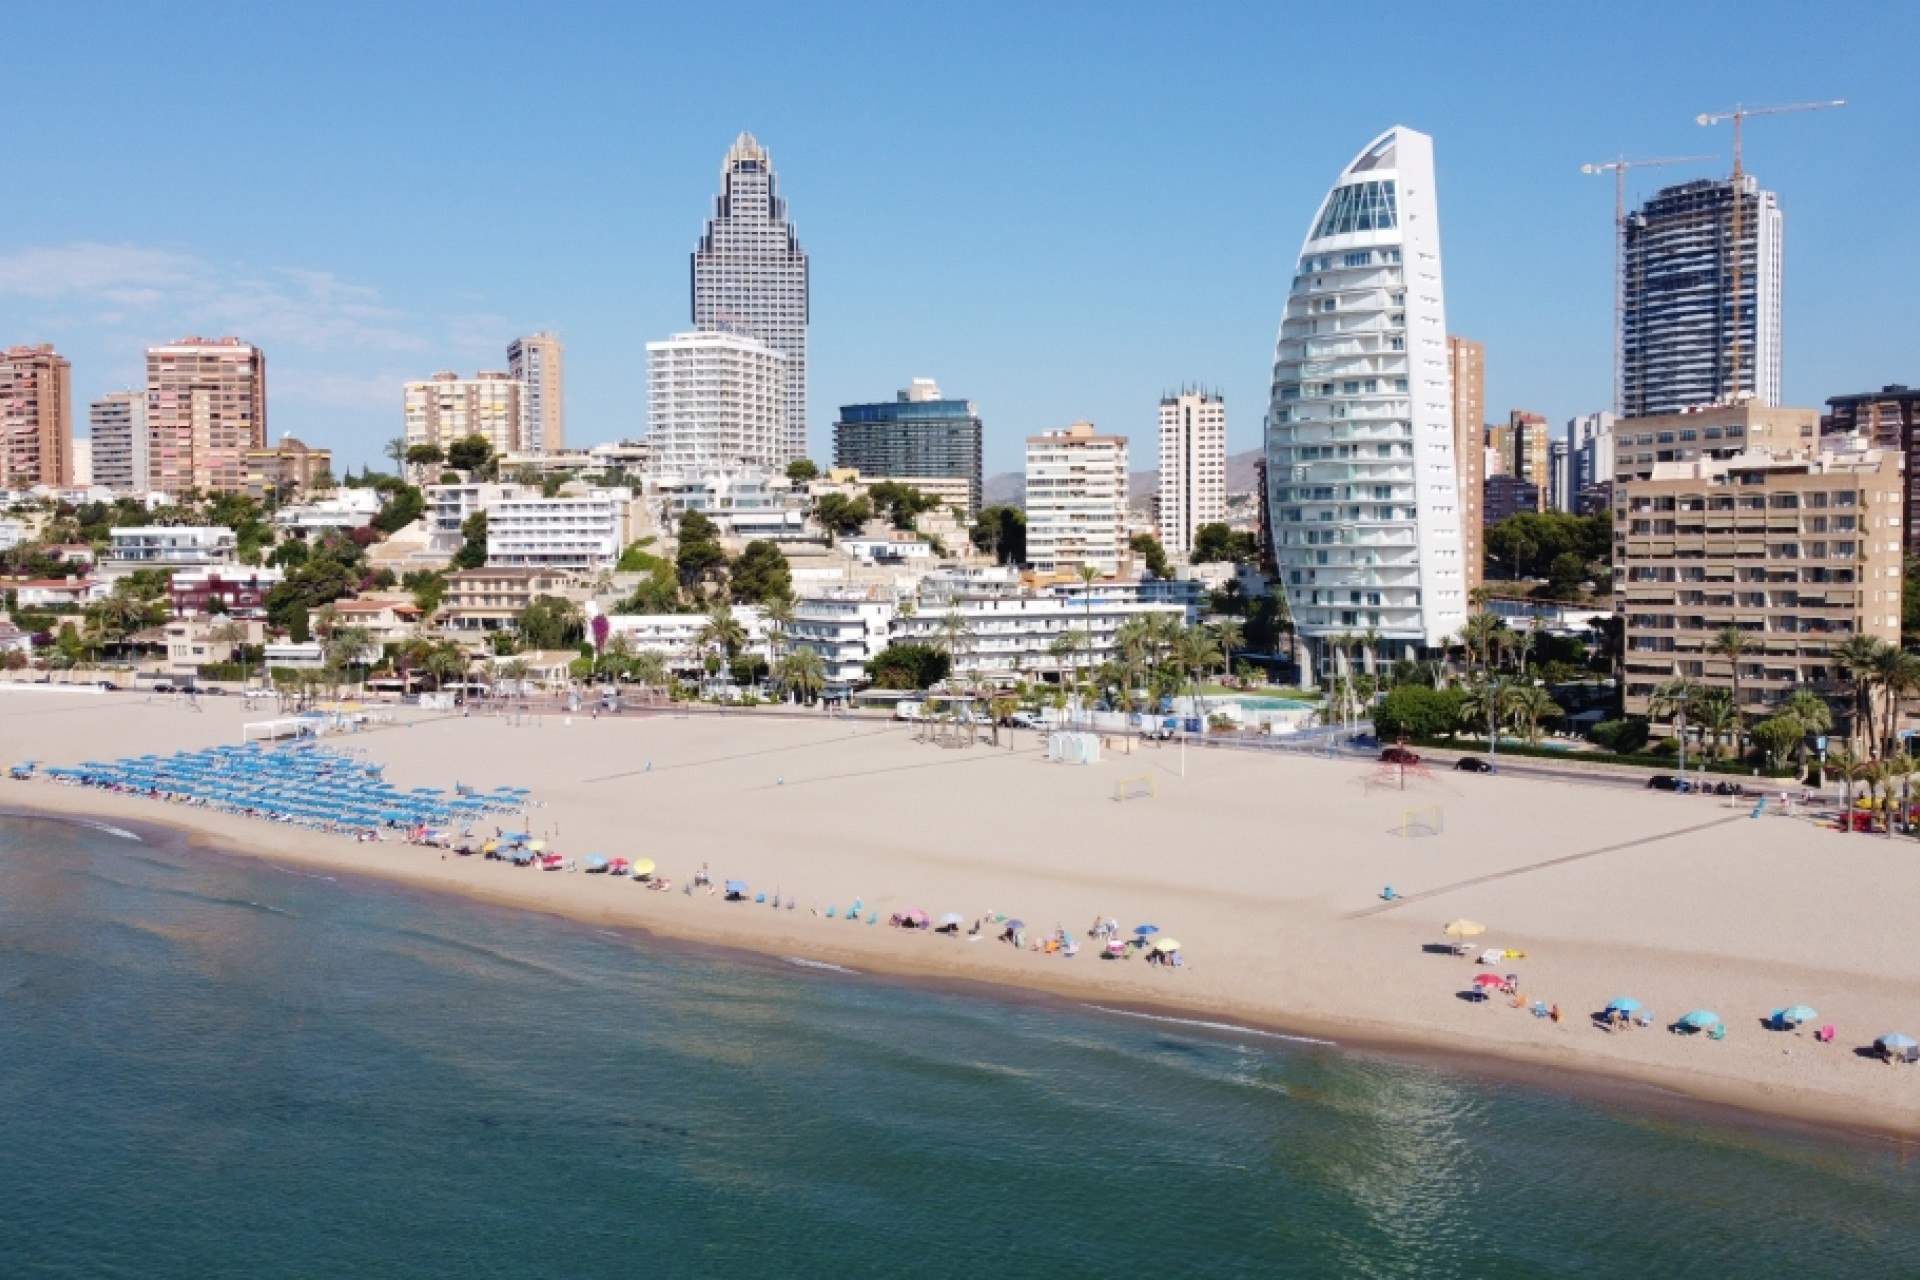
<point>1362,489</point>
<point>919,435</point>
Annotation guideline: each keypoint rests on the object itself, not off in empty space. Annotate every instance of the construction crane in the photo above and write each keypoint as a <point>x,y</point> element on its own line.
<point>1618,167</point>
<point>1739,116</point>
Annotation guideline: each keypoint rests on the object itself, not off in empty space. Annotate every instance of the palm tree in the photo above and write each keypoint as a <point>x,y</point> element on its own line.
<point>1479,636</point>
<point>1229,635</point>
<point>803,672</point>
<point>779,614</point>
<point>1734,644</point>
<point>1897,672</point>
<point>396,449</point>
<point>444,660</point>
<point>650,668</point>
<point>956,634</point>
<point>1714,710</point>
<point>515,670</point>
<point>345,646</point>
<point>1061,649</point>
<point>1530,704</point>
<point>1488,702</point>
<point>721,633</point>
<point>1670,702</point>
<point>1194,652</point>
<point>1854,658</point>
<point>1842,762</point>
<point>1810,711</point>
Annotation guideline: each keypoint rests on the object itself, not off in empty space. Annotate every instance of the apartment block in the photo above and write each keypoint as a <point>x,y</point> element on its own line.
<point>538,364</point>
<point>36,418</point>
<point>580,535</point>
<point>206,407</point>
<point>1886,419</point>
<point>1467,364</point>
<point>118,424</point>
<point>715,401</point>
<point>288,471</point>
<point>1797,548</point>
<point>1531,457</point>
<point>1193,466</point>
<point>920,438</point>
<point>1077,501</point>
<point>447,407</point>
<point>1720,431</point>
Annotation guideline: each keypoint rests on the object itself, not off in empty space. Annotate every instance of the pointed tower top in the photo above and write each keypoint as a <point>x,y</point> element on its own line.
<point>746,148</point>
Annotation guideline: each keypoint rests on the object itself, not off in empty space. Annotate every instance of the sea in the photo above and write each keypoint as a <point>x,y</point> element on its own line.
<point>215,1066</point>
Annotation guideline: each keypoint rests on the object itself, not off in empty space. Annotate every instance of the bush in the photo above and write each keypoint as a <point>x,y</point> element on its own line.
<point>1622,736</point>
<point>1418,711</point>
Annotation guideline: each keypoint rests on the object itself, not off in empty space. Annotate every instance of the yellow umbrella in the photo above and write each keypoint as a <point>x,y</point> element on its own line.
<point>1464,929</point>
<point>643,868</point>
<point>538,846</point>
<point>1166,944</point>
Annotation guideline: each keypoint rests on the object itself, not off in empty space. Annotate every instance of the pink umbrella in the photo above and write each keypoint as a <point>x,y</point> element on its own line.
<point>1484,980</point>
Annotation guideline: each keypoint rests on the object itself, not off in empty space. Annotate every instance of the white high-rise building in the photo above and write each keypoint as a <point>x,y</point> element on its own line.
<point>1077,501</point>
<point>750,275</point>
<point>118,423</point>
<point>715,401</point>
<point>1590,450</point>
<point>1361,478</point>
<point>1193,466</point>
<point>537,363</point>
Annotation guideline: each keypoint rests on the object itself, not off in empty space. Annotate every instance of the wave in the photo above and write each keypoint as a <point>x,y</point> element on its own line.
<point>110,830</point>
<point>818,964</point>
<point>305,875</point>
<point>1213,1026</point>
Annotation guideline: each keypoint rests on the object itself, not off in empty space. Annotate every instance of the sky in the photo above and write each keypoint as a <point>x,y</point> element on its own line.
<point>1056,210</point>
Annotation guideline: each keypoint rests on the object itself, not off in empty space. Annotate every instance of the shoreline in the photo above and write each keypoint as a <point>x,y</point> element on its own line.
<point>1819,1114</point>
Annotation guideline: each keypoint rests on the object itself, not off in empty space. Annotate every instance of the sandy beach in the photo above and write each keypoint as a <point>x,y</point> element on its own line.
<point>1268,869</point>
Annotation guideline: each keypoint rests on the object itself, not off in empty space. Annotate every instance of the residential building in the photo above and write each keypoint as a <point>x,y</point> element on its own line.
<point>955,496</point>
<point>918,437</point>
<point>1507,496</point>
<point>1193,466</point>
<point>1360,436</point>
<point>1467,369</point>
<point>1559,495</point>
<point>80,462</point>
<point>54,593</point>
<point>1008,633</point>
<point>743,502</point>
<point>1721,431</point>
<point>1681,326</point>
<point>880,543</point>
<point>675,636</point>
<point>1077,501</point>
<point>538,364</point>
<point>240,589</point>
<point>447,407</point>
<point>13,640</point>
<point>288,471</point>
<point>118,424</point>
<point>1590,450</point>
<point>340,509</point>
<point>574,534</point>
<point>206,407</point>
<point>1796,548</point>
<point>1527,438</point>
<point>193,643</point>
<point>388,620</point>
<point>134,547</point>
<point>450,505</point>
<point>12,533</point>
<point>36,418</point>
<point>750,276</point>
<point>1886,419</point>
<point>848,628</point>
<point>490,599</point>
<point>715,400</point>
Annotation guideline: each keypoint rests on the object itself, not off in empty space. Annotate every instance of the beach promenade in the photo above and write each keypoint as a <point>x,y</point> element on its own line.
<point>1268,870</point>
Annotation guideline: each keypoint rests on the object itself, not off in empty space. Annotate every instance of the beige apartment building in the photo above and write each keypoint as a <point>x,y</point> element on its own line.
<point>206,407</point>
<point>490,599</point>
<point>1796,548</point>
<point>288,471</point>
<point>1193,467</point>
<point>1077,501</point>
<point>1467,363</point>
<point>36,418</point>
<point>538,363</point>
<point>447,407</point>
<point>1528,442</point>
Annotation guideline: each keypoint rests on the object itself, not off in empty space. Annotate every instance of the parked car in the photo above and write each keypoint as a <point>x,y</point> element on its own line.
<point>1398,755</point>
<point>1021,720</point>
<point>1667,782</point>
<point>165,686</point>
<point>1472,764</point>
<point>106,684</point>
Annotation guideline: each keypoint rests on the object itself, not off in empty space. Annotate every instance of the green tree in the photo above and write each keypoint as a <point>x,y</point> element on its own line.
<point>840,515</point>
<point>1001,532</point>
<point>1811,714</point>
<point>424,456</point>
<point>761,574</point>
<point>700,556</point>
<point>403,507</point>
<point>802,470</point>
<point>1417,711</point>
<point>1734,644</point>
<point>803,673</point>
<point>473,546</point>
<point>472,454</point>
<point>548,622</point>
<point>722,633</point>
<point>903,504</point>
<point>1777,737</point>
<point>1217,543</point>
<point>1151,554</point>
<point>908,666</point>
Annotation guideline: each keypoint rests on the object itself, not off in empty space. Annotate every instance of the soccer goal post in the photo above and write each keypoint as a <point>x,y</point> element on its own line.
<point>1134,788</point>
<point>1425,821</point>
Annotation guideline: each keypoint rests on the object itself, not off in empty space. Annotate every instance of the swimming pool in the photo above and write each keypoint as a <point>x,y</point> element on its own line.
<point>1272,704</point>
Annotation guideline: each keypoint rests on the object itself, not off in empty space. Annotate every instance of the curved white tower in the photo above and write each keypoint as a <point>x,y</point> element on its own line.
<point>1360,461</point>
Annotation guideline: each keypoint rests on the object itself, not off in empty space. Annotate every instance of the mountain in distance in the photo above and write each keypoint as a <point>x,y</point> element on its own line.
<point>1009,488</point>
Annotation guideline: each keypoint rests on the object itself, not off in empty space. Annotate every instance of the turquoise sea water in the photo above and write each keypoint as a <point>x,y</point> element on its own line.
<point>211,1067</point>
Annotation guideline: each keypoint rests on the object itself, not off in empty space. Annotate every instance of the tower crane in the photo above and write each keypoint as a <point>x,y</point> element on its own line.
<point>1739,116</point>
<point>1618,167</point>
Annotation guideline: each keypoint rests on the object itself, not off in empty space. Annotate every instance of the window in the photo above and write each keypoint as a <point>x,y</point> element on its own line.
<point>1362,259</point>
<point>1330,304</point>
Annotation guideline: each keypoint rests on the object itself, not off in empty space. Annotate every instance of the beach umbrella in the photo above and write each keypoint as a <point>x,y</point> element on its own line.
<point>1142,930</point>
<point>917,916</point>
<point>1016,924</point>
<point>1485,980</point>
<point>1700,1019</point>
<point>736,886</point>
<point>1896,1041</point>
<point>1166,944</point>
<point>952,917</point>
<point>1464,929</point>
<point>1624,1004</point>
<point>595,860</point>
<point>643,867</point>
<point>1793,1015</point>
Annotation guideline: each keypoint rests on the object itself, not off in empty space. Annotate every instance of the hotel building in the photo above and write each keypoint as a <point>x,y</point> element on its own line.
<point>447,407</point>
<point>36,418</point>
<point>206,407</point>
<point>1077,501</point>
<point>1193,467</point>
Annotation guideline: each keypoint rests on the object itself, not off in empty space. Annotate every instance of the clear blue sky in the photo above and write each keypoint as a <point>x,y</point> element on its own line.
<point>1057,210</point>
